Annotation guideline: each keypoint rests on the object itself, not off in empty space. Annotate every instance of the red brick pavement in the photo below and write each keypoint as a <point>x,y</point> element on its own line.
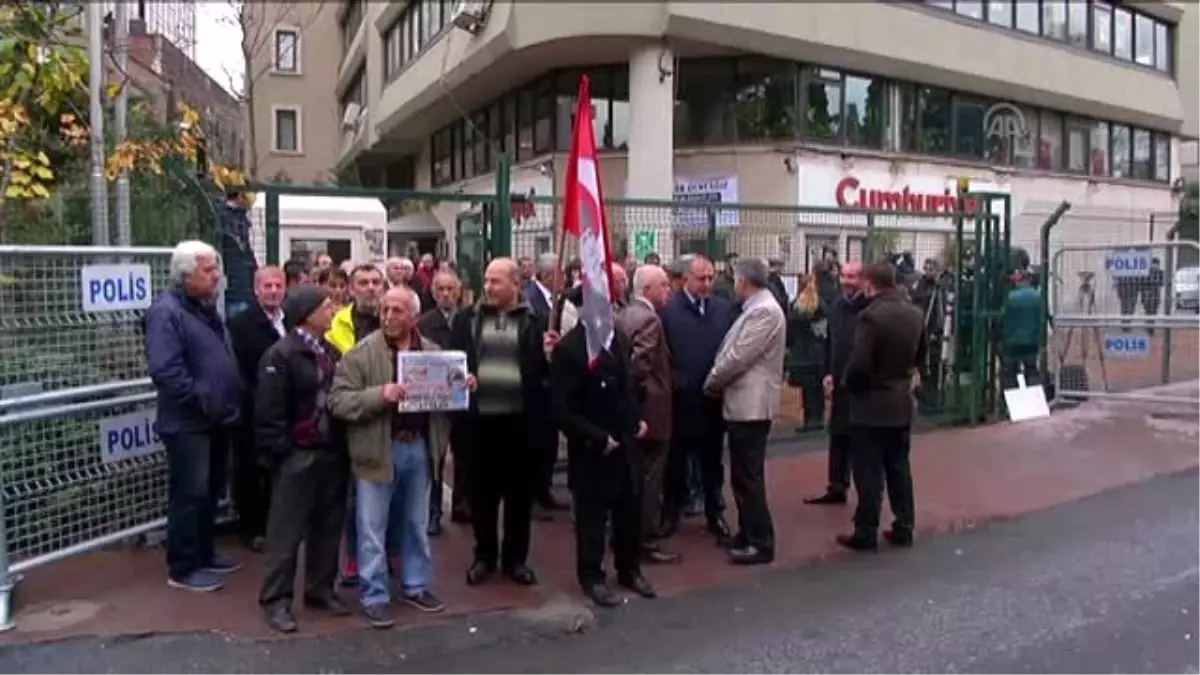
<point>963,477</point>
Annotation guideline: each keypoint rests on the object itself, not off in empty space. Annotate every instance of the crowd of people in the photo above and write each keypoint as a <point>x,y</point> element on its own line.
<point>302,384</point>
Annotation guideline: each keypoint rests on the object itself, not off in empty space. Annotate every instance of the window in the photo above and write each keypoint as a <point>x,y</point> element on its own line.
<point>393,50</point>
<point>543,117</point>
<point>1122,34</point>
<point>1050,139</point>
<point>349,23</point>
<point>620,108</point>
<point>764,100</point>
<point>925,120</point>
<point>968,127</point>
<point>1143,40</point>
<point>1000,12</point>
<point>1077,22</point>
<point>1054,19</point>
<point>495,132</point>
<point>287,130</point>
<point>508,112</point>
<point>1028,18</point>
<point>866,111</point>
<point>287,51</point>
<point>524,124</point>
<point>355,92</point>
<point>822,104</point>
<point>1098,149</point>
<point>1102,27</point>
<point>969,8</point>
<point>441,151</point>
<point>432,13</point>
<point>1078,136</point>
<point>703,110</point>
<point>1120,151</point>
<point>1143,152</point>
<point>481,146</point>
<point>458,170</point>
<point>1162,157</point>
<point>1162,47</point>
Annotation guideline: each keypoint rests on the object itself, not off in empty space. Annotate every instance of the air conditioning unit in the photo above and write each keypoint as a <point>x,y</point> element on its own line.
<point>350,117</point>
<point>471,15</point>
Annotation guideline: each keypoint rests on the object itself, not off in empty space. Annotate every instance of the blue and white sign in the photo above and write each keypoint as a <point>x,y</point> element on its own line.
<point>127,436</point>
<point>1131,345</point>
<point>1126,264</point>
<point>114,288</point>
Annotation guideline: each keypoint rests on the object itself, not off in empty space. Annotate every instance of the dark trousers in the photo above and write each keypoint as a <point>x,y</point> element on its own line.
<point>503,469</point>
<point>544,439</point>
<point>1018,358</point>
<point>700,431</point>
<point>931,375</point>
<point>196,465</point>
<point>747,477</point>
<point>881,456</point>
<point>839,463</point>
<point>251,485</point>
<point>594,505</point>
<point>654,455</point>
<point>808,380</point>
<point>458,489</point>
<point>308,505</point>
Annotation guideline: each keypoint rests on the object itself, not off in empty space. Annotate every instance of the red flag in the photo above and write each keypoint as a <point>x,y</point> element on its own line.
<point>584,217</point>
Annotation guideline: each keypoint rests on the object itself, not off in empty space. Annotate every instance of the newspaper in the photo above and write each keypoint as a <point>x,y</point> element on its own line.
<point>432,381</point>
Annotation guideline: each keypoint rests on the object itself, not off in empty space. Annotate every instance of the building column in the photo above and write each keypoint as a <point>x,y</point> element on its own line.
<point>650,173</point>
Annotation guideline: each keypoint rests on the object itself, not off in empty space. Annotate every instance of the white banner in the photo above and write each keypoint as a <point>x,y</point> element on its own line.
<point>432,381</point>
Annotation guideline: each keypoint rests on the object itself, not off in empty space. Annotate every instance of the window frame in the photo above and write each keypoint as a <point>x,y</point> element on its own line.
<point>276,34</point>
<point>298,129</point>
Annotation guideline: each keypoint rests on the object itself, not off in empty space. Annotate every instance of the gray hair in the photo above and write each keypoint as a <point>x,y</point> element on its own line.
<point>546,262</point>
<point>414,300</point>
<point>186,257</point>
<point>642,277</point>
<point>753,270</point>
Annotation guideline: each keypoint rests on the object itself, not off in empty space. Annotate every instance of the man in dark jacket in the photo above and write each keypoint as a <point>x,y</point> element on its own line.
<point>842,316</point>
<point>889,345</point>
<point>928,294</point>
<point>506,346</point>
<point>597,410</point>
<point>775,285</point>
<point>307,458</point>
<point>695,322</point>
<point>435,325</point>
<point>237,252</point>
<point>252,332</point>
<point>541,294</point>
<point>195,374</point>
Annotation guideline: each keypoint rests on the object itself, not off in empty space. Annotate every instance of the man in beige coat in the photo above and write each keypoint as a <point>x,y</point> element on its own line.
<point>747,375</point>
<point>394,455</point>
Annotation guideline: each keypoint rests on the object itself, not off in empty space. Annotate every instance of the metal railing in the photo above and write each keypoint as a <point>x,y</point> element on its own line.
<point>1121,324</point>
<point>80,464</point>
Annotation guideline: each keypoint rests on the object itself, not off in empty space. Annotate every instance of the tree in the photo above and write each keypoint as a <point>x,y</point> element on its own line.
<point>44,132</point>
<point>257,21</point>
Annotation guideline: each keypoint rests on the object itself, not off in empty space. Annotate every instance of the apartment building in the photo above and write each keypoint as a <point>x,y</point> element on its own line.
<point>175,20</point>
<point>811,104</point>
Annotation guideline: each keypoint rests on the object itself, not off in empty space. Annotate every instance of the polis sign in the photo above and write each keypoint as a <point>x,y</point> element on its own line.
<point>851,194</point>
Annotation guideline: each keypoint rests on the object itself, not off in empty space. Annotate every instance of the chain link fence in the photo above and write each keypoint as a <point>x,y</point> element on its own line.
<point>81,466</point>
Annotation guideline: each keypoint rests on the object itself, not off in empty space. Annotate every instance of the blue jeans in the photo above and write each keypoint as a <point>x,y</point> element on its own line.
<point>196,465</point>
<point>400,507</point>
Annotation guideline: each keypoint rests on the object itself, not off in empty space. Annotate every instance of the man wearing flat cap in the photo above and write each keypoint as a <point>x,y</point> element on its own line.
<point>308,461</point>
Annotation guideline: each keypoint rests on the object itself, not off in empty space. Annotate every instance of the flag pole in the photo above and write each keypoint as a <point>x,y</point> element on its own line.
<point>561,277</point>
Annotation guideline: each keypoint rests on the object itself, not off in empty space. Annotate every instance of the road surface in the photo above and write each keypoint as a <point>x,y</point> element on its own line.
<point>1107,584</point>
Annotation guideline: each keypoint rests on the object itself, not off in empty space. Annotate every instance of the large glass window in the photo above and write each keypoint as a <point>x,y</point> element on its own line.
<point>1077,22</point>
<point>1098,149</point>
<point>1000,12</point>
<point>441,152</point>
<point>1122,33</point>
<point>479,134</point>
<point>925,120</point>
<point>1162,47</point>
<point>1050,140</point>
<point>1162,157</point>
<point>968,127</point>
<point>866,111</point>
<point>1102,27</point>
<point>524,124</point>
<point>1143,40</point>
<point>1028,17</point>
<point>822,104</point>
<point>1143,151</point>
<point>620,108</point>
<point>1078,135</point>
<point>544,110</point>
<point>969,8</point>
<point>764,99</point>
<point>1120,151</point>
<point>1054,19</point>
<point>703,115</point>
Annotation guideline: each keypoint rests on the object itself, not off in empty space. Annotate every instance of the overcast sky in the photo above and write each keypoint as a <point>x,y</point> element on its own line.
<point>217,41</point>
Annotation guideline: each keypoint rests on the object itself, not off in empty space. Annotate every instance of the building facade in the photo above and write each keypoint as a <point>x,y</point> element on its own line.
<point>175,20</point>
<point>805,104</point>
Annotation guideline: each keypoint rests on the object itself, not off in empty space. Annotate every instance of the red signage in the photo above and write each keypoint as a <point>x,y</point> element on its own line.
<point>851,195</point>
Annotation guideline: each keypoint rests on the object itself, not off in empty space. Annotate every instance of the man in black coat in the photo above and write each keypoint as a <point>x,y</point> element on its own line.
<point>435,325</point>
<point>308,460</point>
<point>597,409</point>
<point>889,346</point>
<point>252,333</point>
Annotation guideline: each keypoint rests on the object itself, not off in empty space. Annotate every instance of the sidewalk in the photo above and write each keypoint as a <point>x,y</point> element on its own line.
<point>963,477</point>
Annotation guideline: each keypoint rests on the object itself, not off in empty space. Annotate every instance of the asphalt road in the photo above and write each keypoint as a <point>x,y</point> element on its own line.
<point>1107,584</point>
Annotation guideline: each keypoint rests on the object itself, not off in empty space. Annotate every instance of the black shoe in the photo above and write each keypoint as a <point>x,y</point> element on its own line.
<point>479,573</point>
<point>669,525</point>
<point>280,618</point>
<point>831,497</point>
<point>898,538</point>
<point>331,605</point>
<point>523,575</point>
<point>601,594</point>
<point>859,543</point>
<point>426,602</point>
<point>378,616</point>
<point>638,584</point>
<point>434,529</point>
<point>720,529</point>
<point>750,555</point>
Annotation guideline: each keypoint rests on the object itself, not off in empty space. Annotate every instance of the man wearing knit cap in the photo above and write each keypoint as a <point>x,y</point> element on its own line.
<point>310,469</point>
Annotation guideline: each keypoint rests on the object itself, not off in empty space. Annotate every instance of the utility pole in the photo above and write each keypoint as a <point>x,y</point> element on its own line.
<point>121,44</point>
<point>95,21</point>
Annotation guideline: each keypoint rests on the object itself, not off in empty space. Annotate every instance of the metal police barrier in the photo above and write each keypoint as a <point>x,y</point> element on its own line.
<point>80,464</point>
<point>1125,322</point>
